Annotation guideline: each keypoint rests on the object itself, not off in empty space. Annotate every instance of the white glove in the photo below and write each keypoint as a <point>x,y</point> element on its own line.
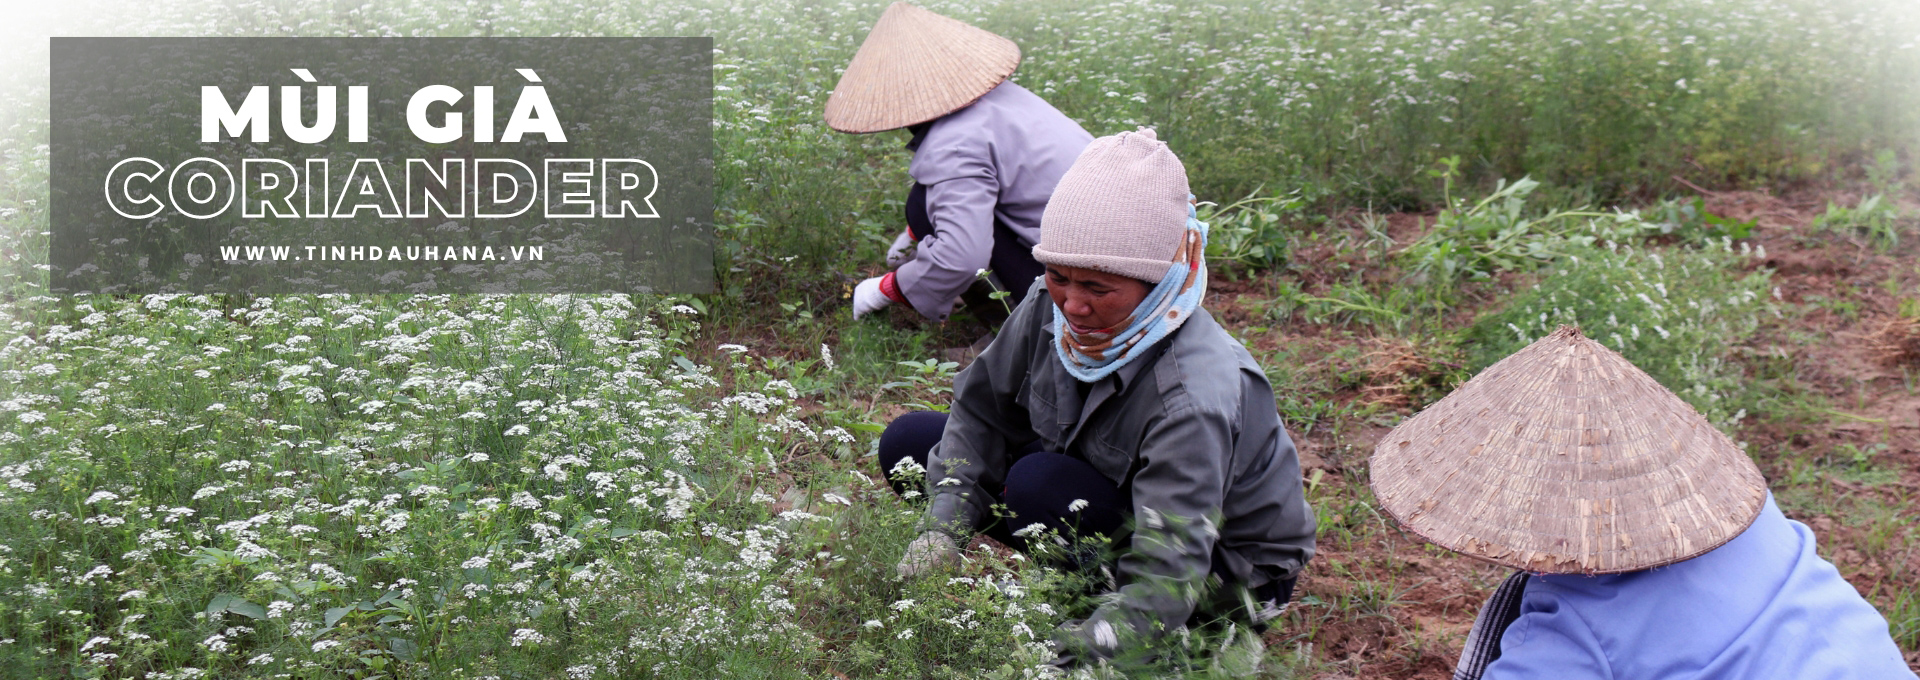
<point>897,255</point>
<point>931,550</point>
<point>868,299</point>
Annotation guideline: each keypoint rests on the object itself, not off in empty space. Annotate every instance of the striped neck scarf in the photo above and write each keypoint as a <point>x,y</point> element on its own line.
<point>1092,356</point>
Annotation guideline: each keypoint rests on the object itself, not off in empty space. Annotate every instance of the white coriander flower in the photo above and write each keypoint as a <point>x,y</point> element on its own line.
<point>215,643</point>
<point>1077,505</point>
<point>526,636</point>
<point>907,466</point>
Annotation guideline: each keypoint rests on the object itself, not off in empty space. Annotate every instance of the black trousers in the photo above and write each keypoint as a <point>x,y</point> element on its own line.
<point>1042,487</point>
<point>1011,261</point>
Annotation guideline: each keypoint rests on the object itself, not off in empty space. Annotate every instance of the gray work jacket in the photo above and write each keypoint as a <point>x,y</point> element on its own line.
<point>998,158</point>
<point>1189,428</point>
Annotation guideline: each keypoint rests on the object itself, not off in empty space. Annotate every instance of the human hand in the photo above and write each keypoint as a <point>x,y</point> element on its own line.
<point>868,299</point>
<point>1081,641</point>
<point>931,550</point>
<point>897,254</point>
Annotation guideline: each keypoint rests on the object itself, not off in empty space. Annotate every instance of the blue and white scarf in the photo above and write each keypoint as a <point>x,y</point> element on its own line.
<point>1095,355</point>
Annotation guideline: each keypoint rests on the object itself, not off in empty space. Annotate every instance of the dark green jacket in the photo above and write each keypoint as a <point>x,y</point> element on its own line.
<point>1190,426</point>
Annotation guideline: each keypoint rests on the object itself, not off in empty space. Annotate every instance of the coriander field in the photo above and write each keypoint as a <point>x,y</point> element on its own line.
<point>328,486</point>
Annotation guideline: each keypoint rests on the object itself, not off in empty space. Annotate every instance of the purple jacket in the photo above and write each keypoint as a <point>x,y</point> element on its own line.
<point>999,157</point>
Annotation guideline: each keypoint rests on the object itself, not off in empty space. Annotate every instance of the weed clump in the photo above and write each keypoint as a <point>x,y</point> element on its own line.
<point>1874,217</point>
<point>1673,313</point>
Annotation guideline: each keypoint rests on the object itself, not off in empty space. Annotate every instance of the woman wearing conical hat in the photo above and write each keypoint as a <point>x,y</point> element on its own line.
<point>1111,399</point>
<point>986,156</point>
<point>1647,543</point>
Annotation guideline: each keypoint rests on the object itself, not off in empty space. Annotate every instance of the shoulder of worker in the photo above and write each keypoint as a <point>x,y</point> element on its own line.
<point>1765,602</point>
<point>1007,120</point>
<point>1006,105</point>
<point>1206,369</point>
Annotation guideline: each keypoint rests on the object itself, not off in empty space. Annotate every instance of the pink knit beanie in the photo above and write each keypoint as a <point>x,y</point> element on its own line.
<point>1121,209</point>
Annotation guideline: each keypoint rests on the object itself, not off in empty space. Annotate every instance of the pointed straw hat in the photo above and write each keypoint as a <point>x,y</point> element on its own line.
<point>914,67</point>
<point>1566,458</point>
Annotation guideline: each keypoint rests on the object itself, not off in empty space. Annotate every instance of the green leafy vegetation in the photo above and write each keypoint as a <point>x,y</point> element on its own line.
<point>1874,218</point>
<point>1248,233</point>
<point>1673,313</point>
<point>450,486</point>
<point>639,486</point>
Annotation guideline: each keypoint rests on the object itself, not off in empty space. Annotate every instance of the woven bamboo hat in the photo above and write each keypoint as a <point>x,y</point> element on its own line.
<point>914,67</point>
<point>1566,458</point>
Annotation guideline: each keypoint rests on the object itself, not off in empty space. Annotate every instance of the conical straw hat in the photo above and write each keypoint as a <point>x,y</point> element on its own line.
<point>1566,458</point>
<point>914,67</point>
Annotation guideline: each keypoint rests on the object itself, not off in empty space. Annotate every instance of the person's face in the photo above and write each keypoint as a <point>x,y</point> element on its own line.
<point>1094,300</point>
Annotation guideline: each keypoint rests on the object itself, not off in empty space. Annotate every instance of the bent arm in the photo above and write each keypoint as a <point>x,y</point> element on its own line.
<point>983,424</point>
<point>1177,496</point>
<point>963,188</point>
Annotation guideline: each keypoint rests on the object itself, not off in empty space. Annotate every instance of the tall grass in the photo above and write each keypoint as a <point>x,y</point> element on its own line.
<point>1348,99</point>
<point>1363,96</point>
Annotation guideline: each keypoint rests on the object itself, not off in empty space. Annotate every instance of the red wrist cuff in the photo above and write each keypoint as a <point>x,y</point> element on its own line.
<point>891,289</point>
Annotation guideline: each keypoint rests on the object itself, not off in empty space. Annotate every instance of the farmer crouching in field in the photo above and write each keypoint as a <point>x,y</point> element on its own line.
<point>1112,402</point>
<point>1647,543</point>
<point>986,155</point>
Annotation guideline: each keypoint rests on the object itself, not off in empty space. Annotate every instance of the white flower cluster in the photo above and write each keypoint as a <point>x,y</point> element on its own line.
<point>510,498</point>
